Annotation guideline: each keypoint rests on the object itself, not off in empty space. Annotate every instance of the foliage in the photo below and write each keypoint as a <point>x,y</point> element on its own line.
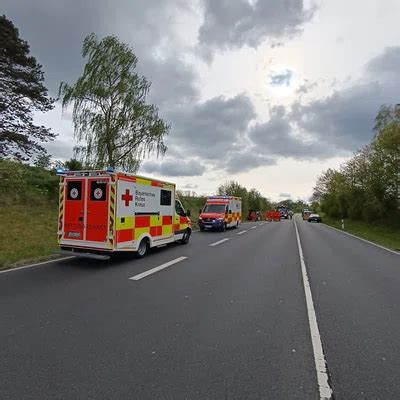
<point>73,165</point>
<point>367,187</point>
<point>21,92</point>
<point>26,185</point>
<point>110,114</point>
<point>251,200</point>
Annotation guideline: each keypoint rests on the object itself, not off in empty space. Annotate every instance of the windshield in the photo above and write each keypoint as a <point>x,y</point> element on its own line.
<point>179,208</point>
<point>214,208</point>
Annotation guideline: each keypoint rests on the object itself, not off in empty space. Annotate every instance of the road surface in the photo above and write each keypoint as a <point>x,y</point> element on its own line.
<point>220,319</point>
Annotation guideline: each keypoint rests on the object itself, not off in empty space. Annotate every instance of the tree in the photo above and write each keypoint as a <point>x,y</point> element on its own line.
<point>73,165</point>
<point>110,114</point>
<point>21,92</point>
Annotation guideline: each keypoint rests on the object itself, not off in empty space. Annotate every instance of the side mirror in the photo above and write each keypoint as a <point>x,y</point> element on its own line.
<point>230,211</point>
<point>200,211</point>
<point>188,213</point>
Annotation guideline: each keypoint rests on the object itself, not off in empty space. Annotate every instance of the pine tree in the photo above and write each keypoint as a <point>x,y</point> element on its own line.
<point>21,92</point>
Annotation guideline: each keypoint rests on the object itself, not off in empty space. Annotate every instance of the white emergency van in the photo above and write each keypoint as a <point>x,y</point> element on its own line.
<point>101,212</point>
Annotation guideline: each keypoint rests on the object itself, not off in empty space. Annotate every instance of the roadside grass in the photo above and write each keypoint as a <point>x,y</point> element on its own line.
<point>27,232</point>
<point>384,234</point>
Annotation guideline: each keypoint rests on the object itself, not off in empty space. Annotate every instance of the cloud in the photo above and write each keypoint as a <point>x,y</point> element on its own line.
<point>55,31</point>
<point>213,128</point>
<point>344,120</point>
<point>277,138</point>
<point>174,167</point>
<point>285,195</point>
<point>235,23</point>
<point>281,78</point>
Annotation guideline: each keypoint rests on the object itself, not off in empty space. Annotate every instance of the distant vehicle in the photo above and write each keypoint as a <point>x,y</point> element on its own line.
<point>221,212</point>
<point>102,212</point>
<point>305,214</point>
<point>254,215</point>
<point>284,211</point>
<point>314,218</point>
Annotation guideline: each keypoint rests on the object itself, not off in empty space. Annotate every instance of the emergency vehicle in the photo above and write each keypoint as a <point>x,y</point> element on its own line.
<point>221,212</point>
<point>102,212</point>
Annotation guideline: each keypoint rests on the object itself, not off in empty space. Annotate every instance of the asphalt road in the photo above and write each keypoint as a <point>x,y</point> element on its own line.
<point>227,322</point>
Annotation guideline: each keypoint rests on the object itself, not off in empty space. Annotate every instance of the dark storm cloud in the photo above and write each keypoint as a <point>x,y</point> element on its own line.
<point>174,167</point>
<point>281,78</point>
<point>277,138</point>
<point>235,23</point>
<point>213,128</point>
<point>246,160</point>
<point>55,31</point>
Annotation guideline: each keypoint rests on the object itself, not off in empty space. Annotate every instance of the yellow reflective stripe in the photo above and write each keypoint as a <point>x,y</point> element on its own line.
<point>140,231</point>
<point>155,220</point>
<point>167,230</point>
<point>142,181</point>
<point>129,223</point>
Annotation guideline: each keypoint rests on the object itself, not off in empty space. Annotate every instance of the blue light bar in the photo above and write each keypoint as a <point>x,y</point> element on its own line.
<point>60,171</point>
<point>110,169</point>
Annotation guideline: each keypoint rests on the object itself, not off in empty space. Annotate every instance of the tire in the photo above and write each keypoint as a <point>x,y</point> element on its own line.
<point>186,237</point>
<point>223,229</point>
<point>143,248</point>
<point>202,229</point>
<point>237,225</point>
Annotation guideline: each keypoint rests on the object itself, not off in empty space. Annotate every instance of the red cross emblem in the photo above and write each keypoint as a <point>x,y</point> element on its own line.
<point>127,197</point>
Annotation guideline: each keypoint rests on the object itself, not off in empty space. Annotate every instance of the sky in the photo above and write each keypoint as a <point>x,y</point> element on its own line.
<point>269,93</point>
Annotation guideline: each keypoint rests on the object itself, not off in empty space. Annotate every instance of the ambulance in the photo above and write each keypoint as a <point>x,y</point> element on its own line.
<point>103,212</point>
<point>221,212</point>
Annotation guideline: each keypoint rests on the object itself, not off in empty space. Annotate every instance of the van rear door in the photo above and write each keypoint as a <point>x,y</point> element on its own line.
<point>74,213</point>
<point>97,209</point>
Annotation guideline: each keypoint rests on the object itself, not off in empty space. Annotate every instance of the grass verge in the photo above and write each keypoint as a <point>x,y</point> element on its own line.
<point>27,233</point>
<point>385,235</point>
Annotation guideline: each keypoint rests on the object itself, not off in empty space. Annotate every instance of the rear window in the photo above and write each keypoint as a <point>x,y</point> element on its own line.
<point>74,190</point>
<point>98,190</point>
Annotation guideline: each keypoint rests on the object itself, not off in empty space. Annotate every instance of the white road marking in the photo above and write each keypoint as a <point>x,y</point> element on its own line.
<point>254,227</point>
<point>241,232</point>
<point>219,242</point>
<point>262,223</point>
<point>325,391</point>
<point>36,264</point>
<point>364,240</point>
<point>156,269</point>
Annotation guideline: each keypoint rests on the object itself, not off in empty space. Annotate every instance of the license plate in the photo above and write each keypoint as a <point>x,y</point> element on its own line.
<point>74,234</point>
<point>208,226</point>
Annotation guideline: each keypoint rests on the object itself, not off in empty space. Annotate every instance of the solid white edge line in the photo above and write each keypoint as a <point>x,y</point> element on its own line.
<point>241,232</point>
<point>325,391</point>
<point>36,264</point>
<point>362,239</point>
<point>219,242</point>
<point>156,269</point>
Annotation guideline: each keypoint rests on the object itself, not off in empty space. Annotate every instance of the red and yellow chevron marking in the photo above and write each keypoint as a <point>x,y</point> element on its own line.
<point>61,207</point>
<point>133,227</point>
<point>236,216</point>
<point>111,212</point>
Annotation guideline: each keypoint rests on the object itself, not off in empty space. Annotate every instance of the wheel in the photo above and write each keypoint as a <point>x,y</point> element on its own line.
<point>186,237</point>
<point>143,248</point>
<point>202,228</point>
<point>237,225</point>
<point>223,227</point>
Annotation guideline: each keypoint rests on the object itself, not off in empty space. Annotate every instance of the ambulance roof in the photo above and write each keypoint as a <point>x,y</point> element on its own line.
<point>222,198</point>
<point>117,173</point>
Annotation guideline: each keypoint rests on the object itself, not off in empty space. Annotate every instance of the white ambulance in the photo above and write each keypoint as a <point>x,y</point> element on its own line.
<point>101,212</point>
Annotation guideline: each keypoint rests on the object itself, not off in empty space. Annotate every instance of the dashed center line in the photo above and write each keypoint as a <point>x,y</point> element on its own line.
<point>156,269</point>
<point>241,232</point>
<point>254,227</point>
<point>219,242</point>
<point>262,223</point>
